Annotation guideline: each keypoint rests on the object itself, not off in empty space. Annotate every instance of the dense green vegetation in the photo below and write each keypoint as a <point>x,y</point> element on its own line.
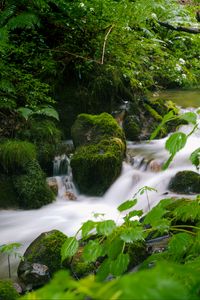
<point>94,59</point>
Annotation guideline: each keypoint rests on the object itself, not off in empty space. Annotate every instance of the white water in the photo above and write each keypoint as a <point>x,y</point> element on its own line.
<point>67,216</point>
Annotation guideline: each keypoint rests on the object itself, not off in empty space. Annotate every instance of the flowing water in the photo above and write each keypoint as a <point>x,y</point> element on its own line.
<point>141,168</point>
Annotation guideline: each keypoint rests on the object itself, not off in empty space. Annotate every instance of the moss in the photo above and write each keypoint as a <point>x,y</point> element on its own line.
<point>95,167</point>
<point>7,291</point>
<point>8,198</point>
<point>185,182</point>
<point>137,252</point>
<point>89,129</point>
<point>14,155</point>
<point>131,128</point>
<point>156,116</point>
<point>79,267</point>
<point>163,107</point>
<point>46,250</point>
<point>32,189</point>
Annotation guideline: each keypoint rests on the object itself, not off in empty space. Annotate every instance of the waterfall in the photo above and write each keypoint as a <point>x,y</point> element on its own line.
<point>142,168</point>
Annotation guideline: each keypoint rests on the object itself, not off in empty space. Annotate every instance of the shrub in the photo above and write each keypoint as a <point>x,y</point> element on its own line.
<point>7,291</point>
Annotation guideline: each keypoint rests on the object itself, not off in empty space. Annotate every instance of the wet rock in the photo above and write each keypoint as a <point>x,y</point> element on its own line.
<point>155,166</point>
<point>33,275</point>
<point>70,196</point>
<point>44,250</point>
<point>53,185</point>
<point>185,182</point>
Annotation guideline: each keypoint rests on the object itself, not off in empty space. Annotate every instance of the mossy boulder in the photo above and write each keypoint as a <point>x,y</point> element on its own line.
<point>185,182</point>
<point>45,250</point>
<point>90,129</point>
<point>7,290</point>
<point>162,106</point>
<point>132,128</point>
<point>95,167</point>
<point>31,187</point>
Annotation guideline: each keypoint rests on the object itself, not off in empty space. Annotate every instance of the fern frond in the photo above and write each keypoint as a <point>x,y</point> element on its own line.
<point>3,36</point>
<point>24,20</point>
<point>6,14</point>
<point>7,86</point>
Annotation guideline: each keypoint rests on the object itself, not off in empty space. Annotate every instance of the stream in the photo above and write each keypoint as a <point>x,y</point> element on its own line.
<point>141,168</point>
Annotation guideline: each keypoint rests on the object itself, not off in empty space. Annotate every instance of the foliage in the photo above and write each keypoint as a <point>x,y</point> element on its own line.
<point>15,154</point>
<point>7,291</point>
<point>171,274</point>
<point>177,140</point>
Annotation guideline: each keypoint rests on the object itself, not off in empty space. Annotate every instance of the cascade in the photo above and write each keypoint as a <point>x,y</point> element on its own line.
<point>140,169</point>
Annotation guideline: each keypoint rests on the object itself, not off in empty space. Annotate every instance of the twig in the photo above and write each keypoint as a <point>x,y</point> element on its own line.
<point>180,28</point>
<point>104,44</point>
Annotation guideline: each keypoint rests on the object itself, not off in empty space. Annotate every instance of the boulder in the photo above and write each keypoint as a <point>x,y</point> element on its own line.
<point>53,185</point>
<point>185,182</point>
<point>95,167</point>
<point>33,275</point>
<point>101,146</point>
<point>90,129</point>
<point>42,256</point>
<point>132,128</point>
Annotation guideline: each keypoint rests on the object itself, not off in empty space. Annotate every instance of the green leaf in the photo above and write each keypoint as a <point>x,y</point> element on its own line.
<point>190,117</point>
<point>127,204</point>
<point>114,248</point>
<point>87,227</point>
<point>132,214</point>
<point>69,248</point>
<point>179,245</point>
<point>176,142</point>
<point>120,264</point>
<point>132,234</point>
<point>168,117</point>
<point>104,270</point>
<point>106,227</point>
<point>25,112</point>
<point>195,158</point>
<point>9,248</point>
<point>49,112</point>
<point>92,251</point>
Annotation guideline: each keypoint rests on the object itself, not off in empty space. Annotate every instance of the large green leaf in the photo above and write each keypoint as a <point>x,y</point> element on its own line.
<point>87,227</point>
<point>92,251</point>
<point>25,112</point>
<point>69,248</point>
<point>120,264</point>
<point>176,142</point>
<point>190,117</point>
<point>49,112</point>
<point>195,158</point>
<point>126,205</point>
<point>106,227</point>
<point>132,234</point>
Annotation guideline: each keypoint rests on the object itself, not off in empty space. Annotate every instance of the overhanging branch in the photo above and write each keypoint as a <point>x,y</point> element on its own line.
<point>180,28</point>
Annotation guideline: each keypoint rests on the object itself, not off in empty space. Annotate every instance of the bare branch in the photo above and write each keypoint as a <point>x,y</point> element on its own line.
<point>180,28</point>
<point>104,44</point>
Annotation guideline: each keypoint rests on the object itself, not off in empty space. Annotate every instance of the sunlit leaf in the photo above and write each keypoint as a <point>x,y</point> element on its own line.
<point>106,227</point>
<point>69,248</point>
<point>126,205</point>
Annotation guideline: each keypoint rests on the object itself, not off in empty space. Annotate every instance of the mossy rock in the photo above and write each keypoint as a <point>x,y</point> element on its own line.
<point>31,188</point>
<point>7,291</point>
<point>8,196</point>
<point>45,250</point>
<point>15,154</point>
<point>162,106</point>
<point>132,128</point>
<point>95,167</point>
<point>185,182</point>
<point>90,129</point>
